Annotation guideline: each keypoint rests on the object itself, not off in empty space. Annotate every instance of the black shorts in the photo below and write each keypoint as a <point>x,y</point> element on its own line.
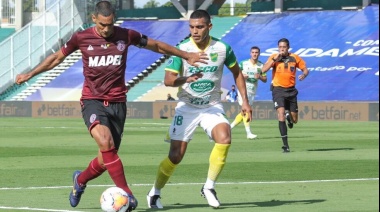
<point>110,114</point>
<point>285,97</point>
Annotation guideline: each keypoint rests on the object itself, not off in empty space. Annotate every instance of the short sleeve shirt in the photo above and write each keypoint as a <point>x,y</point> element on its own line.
<point>206,91</point>
<point>251,69</point>
<point>104,61</point>
<point>284,71</point>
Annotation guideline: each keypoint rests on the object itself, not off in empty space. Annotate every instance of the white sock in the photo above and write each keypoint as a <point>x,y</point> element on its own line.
<point>248,130</point>
<point>210,184</point>
<point>154,191</point>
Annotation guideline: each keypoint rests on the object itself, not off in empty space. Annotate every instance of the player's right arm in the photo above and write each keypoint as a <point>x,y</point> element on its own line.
<point>49,63</point>
<point>161,47</point>
<point>271,62</point>
<point>172,79</point>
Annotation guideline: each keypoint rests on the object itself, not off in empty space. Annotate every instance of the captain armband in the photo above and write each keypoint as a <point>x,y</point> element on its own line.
<point>143,41</point>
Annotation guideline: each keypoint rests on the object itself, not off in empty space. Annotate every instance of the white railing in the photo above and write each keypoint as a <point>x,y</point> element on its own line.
<point>44,35</point>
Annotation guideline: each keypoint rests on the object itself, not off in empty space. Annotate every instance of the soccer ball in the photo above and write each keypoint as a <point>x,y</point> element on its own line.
<point>114,199</point>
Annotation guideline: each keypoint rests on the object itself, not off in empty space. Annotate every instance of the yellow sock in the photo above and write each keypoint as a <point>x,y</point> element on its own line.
<point>237,120</point>
<point>217,160</point>
<point>245,121</point>
<point>165,171</point>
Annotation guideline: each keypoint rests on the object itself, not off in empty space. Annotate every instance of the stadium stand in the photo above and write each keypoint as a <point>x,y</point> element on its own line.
<point>341,49</point>
<point>138,60</point>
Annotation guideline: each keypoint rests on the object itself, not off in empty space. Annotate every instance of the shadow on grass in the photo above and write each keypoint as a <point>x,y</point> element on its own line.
<point>272,203</point>
<point>329,149</point>
<point>279,137</point>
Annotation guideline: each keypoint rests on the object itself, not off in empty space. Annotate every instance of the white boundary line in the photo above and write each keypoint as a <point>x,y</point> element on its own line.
<point>171,184</point>
<point>185,184</point>
<point>35,209</point>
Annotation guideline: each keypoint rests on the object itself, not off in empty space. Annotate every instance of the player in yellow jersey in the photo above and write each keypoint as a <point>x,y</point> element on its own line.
<point>251,69</point>
<point>199,105</point>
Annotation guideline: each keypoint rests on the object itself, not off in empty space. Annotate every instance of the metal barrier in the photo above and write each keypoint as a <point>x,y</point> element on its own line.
<point>44,35</point>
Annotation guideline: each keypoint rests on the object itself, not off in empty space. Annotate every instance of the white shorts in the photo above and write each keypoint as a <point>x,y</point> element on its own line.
<point>188,118</point>
<point>251,98</point>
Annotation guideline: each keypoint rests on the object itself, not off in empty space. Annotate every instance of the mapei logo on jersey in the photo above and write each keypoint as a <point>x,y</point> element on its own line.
<point>108,60</point>
<point>120,45</point>
<point>214,57</point>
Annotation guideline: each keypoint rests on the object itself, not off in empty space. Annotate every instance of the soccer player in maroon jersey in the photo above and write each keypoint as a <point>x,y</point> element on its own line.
<point>104,50</point>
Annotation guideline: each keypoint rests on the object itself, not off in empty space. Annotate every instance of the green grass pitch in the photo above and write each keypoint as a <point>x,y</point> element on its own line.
<point>333,166</point>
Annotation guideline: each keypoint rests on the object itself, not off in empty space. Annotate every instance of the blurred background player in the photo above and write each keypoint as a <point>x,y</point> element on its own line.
<point>170,98</point>
<point>251,69</point>
<point>104,50</point>
<point>199,107</point>
<point>232,95</point>
<point>284,93</point>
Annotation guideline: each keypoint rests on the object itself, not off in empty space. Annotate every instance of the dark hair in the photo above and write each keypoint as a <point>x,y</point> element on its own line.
<point>255,47</point>
<point>104,8</point>
<point>284,40</point>
<point>197,14</point>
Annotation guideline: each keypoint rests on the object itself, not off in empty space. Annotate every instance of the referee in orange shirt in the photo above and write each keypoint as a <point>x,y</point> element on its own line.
<point>284,72</point>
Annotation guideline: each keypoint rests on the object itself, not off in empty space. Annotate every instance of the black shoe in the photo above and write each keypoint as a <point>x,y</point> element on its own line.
<point>285,149</point>
<point>132,203</point>
<point>210,196</point>
<point>289,119</point>
<point>154,201</point>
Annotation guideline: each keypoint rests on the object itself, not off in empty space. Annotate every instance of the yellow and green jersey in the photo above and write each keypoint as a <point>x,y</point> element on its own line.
<point>207,90</point>
<point>251,69</point>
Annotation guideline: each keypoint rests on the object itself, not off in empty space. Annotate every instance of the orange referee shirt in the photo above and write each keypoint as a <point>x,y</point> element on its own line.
<point>284,71</point>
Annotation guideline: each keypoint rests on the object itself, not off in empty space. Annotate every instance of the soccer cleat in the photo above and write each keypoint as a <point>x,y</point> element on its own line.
<point>77,191</point>
<point>251,136</point>
<point>132,203</point>
<point>289,119</point>
<point>285,149</point>
<point>154,201</point>
<point>210,195</point>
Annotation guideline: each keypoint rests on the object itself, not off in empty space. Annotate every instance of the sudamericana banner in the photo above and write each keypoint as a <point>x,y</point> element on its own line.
<point>262,110</point>
<point>341,50</point>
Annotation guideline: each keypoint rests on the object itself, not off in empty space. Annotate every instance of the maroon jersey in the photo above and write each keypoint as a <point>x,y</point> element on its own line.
<point>104,61</point>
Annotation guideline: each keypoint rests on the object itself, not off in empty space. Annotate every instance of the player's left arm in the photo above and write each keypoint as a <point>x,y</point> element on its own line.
<point>240,84</point>
<point>302,65</point>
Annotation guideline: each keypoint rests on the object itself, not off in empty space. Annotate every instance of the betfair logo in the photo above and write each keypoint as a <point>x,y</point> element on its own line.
<point>108,60</point>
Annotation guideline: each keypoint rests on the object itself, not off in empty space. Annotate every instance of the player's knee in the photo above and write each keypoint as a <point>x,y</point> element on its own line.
<point>223,138</point>
<point>222,134</point>
<point>175,157</point>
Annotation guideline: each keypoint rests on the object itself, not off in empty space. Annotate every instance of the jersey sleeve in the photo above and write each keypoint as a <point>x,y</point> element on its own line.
<point>134,37</point>
<point>260,69</point>
<point>230,57</point>
<point>71,45</point>
<point>301,64</point>
<point>174,64</point>
<point>241,66</point>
